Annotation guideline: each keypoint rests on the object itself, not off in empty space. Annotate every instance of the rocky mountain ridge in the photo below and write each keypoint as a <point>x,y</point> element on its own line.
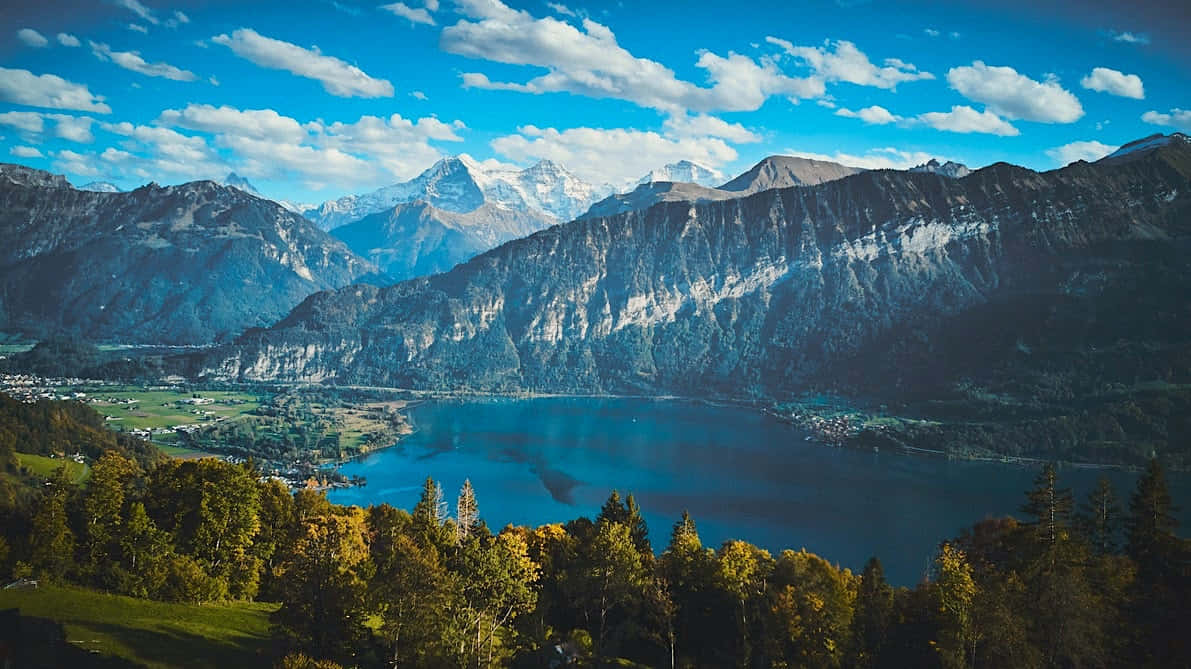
<point>186,264</point>
<point>765,294</point>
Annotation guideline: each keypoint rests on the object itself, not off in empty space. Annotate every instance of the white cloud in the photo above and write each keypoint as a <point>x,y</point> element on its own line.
<point>702,125</point>
<point>131,60</point>
<point>876,159</point>
<point>79,164</point>
<point>1129,38</point>
<point>372,151</point>
<point>138,28</point>
<point>842,61</point>
<point>560,8</point>
<point>25,152</point>
<point>1177,118</point>
<point>1015,96</point>
<point>180,18</point>
<point>337,77</point>
<point>47,90</point>
<point>1089,151</point>
<point>415,15</point>
<point>32,38</point>
<point>590,62</point>
<point>617,156</point>
<point>964,119</point>
<point>140,10</point>
<point>66,39</point>
<point>1114,82</point>
<point>874,115</point>
<point>931,32</point>
<point>30,122</point>
<point>418,95</point>
<point>73,128</point>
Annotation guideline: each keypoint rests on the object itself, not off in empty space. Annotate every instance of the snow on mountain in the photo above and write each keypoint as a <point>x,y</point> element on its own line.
<point>1146,144</point>
<point>101,187</point>
<point>947,169</point>
<point>684,171</point>
<point>459,184</point>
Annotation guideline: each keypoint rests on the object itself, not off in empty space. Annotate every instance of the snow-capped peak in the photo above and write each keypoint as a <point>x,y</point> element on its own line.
<point>101,187</point>
<point>236,181</point>
<point>461,184</point>
<point>1146,144</point>
<point>948,169</point>
<point>683,171</point>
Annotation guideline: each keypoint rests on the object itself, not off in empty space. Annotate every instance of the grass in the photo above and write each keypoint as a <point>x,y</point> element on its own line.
<point>156,634</point>
<point>46,467</point>
<point>155,409</point>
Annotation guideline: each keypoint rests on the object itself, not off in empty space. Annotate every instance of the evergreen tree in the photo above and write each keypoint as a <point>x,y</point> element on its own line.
<point>955,591</point>
<point>1151,541</point>
<point>614,510</point>
<point>1049,505</point>
<point>467,512</point>
<point>873,616</point>
<point>1099,517</point>
<point>637,527</point>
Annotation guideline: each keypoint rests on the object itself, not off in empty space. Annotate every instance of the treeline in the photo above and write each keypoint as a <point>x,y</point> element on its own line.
<point>1064,587</point>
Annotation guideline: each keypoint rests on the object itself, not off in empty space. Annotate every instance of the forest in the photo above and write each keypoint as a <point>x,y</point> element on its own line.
<point>1101,583</point>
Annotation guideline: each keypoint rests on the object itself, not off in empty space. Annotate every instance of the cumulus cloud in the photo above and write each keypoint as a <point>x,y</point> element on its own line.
<point>1177,118</point>
<point>32,38</point>
<point>964,119</point>
<point>1089,151</point>
<point>842,61</point>
<point>418,95</point>
<point>28,122</point>
<point>415,15</point>
<point>22,87</point>
<point>25,152</point>
<point>874,115</point>
<point>588,61</point>
<point>703,125</point>
<point>66,39</point>
<point>337,77</point>
<point>371,151</point>
<point>887,158</point>
<point>616,156</point>
<point>1114,82</point>
<point>1015,96</point>
<point>131,60</point>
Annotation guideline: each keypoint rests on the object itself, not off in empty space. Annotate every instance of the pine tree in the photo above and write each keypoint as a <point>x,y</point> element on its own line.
<point>613,510</point>
<point>467,512</point>
<point>1099,517</point>
<point>874,612</point>
<point>1049,505</point>
<point>638,530</point>
<point>1151,539</point>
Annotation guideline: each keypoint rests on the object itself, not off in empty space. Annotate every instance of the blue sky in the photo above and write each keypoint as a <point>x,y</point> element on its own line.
<point>311,100</point>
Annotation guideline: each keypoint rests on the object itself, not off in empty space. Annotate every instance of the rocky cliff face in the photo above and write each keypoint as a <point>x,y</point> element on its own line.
<point>186,264</point>
<point>419,239</point>
<point>767,293</point>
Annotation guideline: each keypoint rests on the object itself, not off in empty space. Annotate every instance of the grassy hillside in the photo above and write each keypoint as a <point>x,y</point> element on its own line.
<point>155,634</point>
<point>45,467</point>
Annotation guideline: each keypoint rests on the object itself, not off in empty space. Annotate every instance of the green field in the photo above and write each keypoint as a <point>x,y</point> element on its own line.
<point>155,634</point>
<point>45,467</point>
<point>159,408</point>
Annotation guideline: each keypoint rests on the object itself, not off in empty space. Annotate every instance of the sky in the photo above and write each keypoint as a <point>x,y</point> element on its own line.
<point>314,99</point>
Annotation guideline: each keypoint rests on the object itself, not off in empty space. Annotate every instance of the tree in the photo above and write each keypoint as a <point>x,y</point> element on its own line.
<point>955,591</point>
<point>687,570</point>
<point>811,603</point>
<point>742,571</point>
<point>467,512</point>
<point>52,542</point>
<point>322,589</point>
<point>613,510</point>
<point>429,515</point>
<point>873,616</point>
<point>1049,505</point>
<point>144,551</point>
<point>498,585</point>
<point>637,527</point>
<point>415,596</point>
<point>1151,541</point>
<point>1099,518</point>
<point>103,507</point>
<point>607,582</point>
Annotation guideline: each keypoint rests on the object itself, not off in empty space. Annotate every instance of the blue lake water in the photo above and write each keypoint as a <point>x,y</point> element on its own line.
<point>741,474</point>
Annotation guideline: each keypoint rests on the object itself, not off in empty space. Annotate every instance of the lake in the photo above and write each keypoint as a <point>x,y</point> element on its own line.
<point>741,474</point>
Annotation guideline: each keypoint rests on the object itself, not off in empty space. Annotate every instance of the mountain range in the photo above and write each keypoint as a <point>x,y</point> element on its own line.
<point>864,281</point>
<point>187,264</point>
